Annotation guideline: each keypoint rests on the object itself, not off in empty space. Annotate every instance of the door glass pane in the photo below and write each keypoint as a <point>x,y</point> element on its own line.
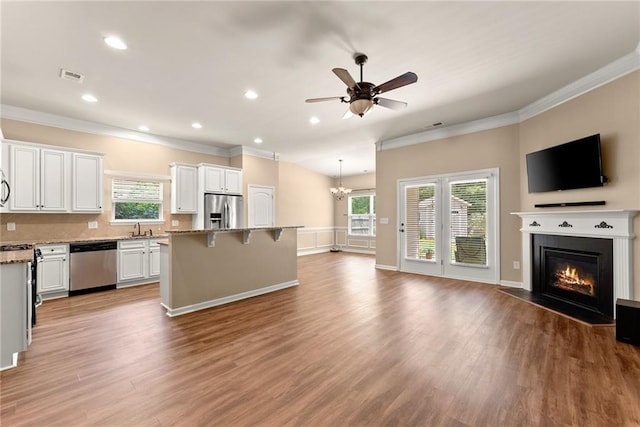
<point>468,230</point>
<point>420,225</point>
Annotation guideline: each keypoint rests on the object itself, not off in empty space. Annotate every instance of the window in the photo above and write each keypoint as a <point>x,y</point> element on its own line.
<point>362,215</point>
<point>136,200</point>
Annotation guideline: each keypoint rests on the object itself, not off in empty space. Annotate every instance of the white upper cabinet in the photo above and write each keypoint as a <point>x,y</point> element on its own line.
<point>39,179</point>
<point>213,179</point>
<point>53,180</point>
<point>87,183</point>
<point>45,179</point>
<point>221,180</point>
<point>184,187</point>
<point>25,178</point>
<point>233,181</point>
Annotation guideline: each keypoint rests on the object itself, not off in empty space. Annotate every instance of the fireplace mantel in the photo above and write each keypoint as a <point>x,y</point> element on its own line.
<point>604,224</point>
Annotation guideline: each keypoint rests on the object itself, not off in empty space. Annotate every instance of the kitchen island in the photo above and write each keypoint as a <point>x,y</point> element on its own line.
<point>205,268</point>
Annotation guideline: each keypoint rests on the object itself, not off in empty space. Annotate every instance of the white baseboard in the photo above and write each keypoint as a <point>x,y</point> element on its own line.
<point>386,267</point>
<point>14,362</point>
<point>154,279</point>
<point>231,298</point>
<point>511,284</point>
<point>359,251</point>
<point>303,252</point>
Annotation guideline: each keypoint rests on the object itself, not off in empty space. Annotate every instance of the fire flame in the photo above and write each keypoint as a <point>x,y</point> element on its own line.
<point>571,280</point>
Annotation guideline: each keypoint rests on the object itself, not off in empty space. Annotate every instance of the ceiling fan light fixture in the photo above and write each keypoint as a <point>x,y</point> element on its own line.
<point>360,106</point>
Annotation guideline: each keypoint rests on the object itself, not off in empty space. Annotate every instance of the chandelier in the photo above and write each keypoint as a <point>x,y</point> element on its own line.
<point>341,191</point>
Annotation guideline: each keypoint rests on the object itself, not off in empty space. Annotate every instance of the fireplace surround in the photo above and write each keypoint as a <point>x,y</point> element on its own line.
<point>615,227</point>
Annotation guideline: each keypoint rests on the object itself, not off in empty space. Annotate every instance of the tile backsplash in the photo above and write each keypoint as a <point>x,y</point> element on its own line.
<point>46,226</point>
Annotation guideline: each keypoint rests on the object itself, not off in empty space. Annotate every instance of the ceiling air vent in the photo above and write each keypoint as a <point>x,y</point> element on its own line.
<point>434,125</point>
<point>70,75</point>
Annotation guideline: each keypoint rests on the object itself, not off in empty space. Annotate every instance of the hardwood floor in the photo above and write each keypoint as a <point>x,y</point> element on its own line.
<point>350,346</point>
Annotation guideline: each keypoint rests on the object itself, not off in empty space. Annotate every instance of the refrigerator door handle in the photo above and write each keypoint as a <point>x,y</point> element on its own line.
<point>226,214</point>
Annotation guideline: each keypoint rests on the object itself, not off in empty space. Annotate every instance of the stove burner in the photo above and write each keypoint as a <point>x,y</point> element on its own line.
<point>16,247</point>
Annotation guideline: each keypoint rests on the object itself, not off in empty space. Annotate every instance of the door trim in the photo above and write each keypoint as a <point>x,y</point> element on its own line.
<point>494,204</point>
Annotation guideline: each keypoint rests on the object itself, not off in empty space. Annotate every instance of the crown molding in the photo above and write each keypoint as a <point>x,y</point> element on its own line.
<point>53,120</point>
<point>449,131</point>
<point>255,152</point>
<point>610,72</point>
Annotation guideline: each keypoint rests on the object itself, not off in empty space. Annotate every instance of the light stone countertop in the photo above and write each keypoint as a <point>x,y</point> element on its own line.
<point>227,230</point>
<point>83,240</point>
<point>13,257</point>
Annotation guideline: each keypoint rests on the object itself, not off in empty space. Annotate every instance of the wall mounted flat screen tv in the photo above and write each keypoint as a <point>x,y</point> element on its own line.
<point>575,164</point>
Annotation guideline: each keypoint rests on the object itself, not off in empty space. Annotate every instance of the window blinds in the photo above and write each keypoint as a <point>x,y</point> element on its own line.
<point>468,219</point>
<point>124,190</point>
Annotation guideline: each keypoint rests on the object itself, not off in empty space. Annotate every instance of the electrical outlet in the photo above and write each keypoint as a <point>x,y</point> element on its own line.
<point>11,226</point>
<point>384,220</point>
<point>93,224</point>
<point>516,265</point>
<point>175,223</point>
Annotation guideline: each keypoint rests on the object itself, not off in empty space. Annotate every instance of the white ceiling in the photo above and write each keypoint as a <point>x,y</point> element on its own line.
<point>193,61</point>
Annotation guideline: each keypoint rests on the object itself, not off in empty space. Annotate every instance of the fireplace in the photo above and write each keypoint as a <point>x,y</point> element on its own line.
<point>577,271</point>
<point>615,227</point>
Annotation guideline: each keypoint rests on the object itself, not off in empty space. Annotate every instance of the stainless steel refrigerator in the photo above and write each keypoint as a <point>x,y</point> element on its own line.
<point>223,211</point>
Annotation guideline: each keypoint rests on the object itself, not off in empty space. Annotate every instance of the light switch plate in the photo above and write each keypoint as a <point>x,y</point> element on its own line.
<point>384,220</point>
<point>175,223</point>
<point>516,265</point>
<point>11,226</point>
<point>93,224</point>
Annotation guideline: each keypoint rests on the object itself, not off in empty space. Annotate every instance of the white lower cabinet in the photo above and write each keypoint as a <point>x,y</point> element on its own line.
<point>53,271</point>
<point>138,261</point>
<point>154,258</point>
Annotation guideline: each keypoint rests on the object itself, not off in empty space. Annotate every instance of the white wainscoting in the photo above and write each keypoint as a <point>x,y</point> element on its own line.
<point>359,244</point>
<point>313,240</point>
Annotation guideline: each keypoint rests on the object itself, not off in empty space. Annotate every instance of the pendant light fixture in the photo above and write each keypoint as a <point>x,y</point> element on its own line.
<point>341,191</point>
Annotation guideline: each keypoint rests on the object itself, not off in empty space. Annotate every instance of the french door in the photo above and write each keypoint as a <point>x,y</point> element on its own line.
<point>448,226</point>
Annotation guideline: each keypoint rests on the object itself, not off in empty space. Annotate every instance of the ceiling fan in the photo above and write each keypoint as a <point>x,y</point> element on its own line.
<point>362,96</point>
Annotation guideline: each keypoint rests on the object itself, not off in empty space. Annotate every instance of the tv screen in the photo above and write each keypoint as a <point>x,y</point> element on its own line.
<point>576,164</point>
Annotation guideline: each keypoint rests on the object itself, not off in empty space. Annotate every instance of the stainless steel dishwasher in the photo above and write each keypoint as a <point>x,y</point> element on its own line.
<point>92,266</point>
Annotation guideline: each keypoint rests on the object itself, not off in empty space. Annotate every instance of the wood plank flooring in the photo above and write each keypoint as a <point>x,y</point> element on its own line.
<point>350,346</point>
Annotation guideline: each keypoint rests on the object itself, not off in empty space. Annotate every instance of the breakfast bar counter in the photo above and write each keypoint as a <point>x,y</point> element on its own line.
<point>205,268</point>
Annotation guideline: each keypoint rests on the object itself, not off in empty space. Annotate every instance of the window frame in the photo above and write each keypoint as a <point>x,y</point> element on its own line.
<point>371,215</point>
<point>131,221</point>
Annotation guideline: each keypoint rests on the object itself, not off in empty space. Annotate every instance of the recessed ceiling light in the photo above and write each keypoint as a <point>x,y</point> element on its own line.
<point>115,42</point>
<point>89,98</point>
<point>314,120</point>
<point>196,125</point>
<point>250,94</point>
<point>258,140</point>
<point>143,128</point>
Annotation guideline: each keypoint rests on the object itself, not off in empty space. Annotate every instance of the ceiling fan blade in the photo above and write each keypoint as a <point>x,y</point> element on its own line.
<point>403,80</point>
<point>345,77</point>
<point>331,98</point>
<point>347,114</point>
<point>390,103</point>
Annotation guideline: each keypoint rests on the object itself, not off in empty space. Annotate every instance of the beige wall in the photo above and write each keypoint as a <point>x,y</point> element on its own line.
<point>496,148</point>
<point>304,198</point>
<point>613,111</point>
